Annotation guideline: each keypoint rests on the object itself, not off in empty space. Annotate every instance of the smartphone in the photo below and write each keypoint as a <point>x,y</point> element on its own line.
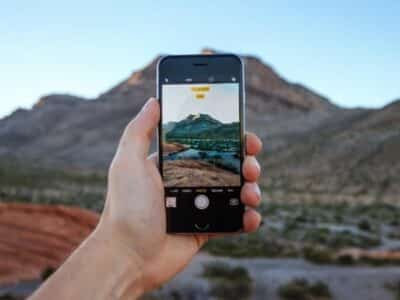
<point>201,141</point>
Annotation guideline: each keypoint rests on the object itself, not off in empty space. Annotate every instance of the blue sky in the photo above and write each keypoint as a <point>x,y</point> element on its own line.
<point>346,50</point>
<point>182,102</point>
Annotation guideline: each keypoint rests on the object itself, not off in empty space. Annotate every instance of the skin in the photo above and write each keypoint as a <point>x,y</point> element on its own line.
<point>129,252</point>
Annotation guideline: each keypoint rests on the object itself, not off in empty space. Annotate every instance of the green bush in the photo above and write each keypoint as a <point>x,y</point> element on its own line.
<point>318,254</point>
<point>394,222</point>
<point>296,289</point>
<point>317,235</point>
<point>320,289</point>
<point>225,289</point>
<point>364,225</point>
<point>301,289</point>
<point>346,238</point>
<point>394,234</point>
<point>345,259</point>
<point>249,245</point>
<point>229,282</point>
<point>217,270</point>
<point>394,287</point>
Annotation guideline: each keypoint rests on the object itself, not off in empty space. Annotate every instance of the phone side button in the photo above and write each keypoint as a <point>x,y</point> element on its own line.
<point>201,227</point>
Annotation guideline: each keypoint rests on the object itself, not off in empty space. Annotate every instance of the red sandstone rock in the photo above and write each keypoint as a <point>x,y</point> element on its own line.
<point>376,255</point>
<point>34,238</point>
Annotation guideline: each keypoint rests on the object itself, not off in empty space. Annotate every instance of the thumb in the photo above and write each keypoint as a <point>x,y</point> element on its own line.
<point>138,133</point>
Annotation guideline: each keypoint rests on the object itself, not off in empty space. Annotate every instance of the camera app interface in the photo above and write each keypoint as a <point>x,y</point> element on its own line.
<point>201,135</point>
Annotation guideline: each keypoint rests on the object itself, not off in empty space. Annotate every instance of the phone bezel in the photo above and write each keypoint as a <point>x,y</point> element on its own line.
<point>199,68</point>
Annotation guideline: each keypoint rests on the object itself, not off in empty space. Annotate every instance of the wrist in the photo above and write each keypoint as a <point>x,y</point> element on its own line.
<point>125,265</point>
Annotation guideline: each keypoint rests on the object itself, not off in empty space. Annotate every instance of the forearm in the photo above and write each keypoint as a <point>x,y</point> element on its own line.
<point>96,270</point>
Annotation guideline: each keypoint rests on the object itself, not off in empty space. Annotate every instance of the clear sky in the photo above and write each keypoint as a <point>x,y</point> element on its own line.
<point>346,50</point>
<point>221,102</point>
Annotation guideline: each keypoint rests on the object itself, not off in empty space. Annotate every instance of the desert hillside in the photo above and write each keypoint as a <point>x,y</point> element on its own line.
<point>313,148</point>
<point>58,151</point>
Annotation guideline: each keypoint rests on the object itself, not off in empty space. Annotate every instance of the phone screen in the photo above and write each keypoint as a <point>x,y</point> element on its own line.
<point>201,135</point>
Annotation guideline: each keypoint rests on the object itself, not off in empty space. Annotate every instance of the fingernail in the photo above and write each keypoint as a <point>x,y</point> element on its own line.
<point>258,165</point>
<point>258,191</point>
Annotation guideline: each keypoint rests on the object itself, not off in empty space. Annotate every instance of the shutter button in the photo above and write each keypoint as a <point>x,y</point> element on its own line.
<point>201,202</point>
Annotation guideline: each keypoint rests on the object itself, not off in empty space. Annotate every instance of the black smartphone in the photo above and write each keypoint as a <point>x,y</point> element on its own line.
<point>201,141</point>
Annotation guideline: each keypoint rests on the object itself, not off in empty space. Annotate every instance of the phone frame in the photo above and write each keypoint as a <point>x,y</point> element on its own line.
<point>184,73</point>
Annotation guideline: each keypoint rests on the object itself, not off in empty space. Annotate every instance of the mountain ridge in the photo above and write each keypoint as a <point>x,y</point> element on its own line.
<point>202,126</point>
<point>311,145</point>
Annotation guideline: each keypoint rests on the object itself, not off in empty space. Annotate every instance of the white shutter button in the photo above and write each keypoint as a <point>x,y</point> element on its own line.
<point>201,201</point>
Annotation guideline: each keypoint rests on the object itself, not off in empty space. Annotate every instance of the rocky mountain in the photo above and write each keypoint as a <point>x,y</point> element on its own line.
<point>195,124</point>
<point>313,149</point>
<point>353,155</point>
<point>202,126</point>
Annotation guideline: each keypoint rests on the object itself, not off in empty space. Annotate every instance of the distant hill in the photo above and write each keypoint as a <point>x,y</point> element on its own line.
<point>313,149</point>
<point>203,126</point>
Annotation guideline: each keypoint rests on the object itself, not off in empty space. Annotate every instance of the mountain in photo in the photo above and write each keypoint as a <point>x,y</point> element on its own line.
<point>200,126</point>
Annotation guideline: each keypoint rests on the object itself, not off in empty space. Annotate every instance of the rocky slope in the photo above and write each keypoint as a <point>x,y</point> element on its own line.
<point>62,130</point>
<point>354,155</point>
<point>313,148</point>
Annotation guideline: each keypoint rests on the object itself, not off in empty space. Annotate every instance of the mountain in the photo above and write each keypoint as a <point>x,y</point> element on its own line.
<point>202,126</point>
<point>313,149</point>
<point>168,127</point>
<point>224,131</point>
<point>67,131</point>
<point>192,125</point>
<point>353,155</point>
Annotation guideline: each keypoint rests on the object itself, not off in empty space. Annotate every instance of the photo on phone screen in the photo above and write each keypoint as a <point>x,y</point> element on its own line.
<point>201,135</point>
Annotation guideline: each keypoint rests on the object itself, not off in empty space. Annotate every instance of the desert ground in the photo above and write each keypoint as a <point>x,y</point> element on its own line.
<point>192,173</point>
<point>254,266</point>
<point>267,275</point>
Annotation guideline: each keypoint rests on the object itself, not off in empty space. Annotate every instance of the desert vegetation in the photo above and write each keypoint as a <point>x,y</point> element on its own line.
<point>318,233</point>
<point>228,282</point>
<point>394,287</point>
<point>29,183</point>
<point>315,231</point>
<point>302,289</point>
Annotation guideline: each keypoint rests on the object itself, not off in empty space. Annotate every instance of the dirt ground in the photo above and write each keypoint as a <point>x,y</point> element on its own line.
<point>192,173</point>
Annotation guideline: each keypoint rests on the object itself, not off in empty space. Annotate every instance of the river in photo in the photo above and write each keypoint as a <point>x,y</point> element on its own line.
<point>228,160</point>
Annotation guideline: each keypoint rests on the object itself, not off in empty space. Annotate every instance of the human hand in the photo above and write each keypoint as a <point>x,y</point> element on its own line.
<point>133,219</point>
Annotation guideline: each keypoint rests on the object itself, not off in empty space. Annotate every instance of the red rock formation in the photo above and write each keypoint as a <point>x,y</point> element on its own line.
<point>378,256</point>
<point>34,238</point>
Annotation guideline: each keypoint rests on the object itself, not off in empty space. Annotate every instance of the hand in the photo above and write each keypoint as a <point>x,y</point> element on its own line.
<point>134,215</point>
